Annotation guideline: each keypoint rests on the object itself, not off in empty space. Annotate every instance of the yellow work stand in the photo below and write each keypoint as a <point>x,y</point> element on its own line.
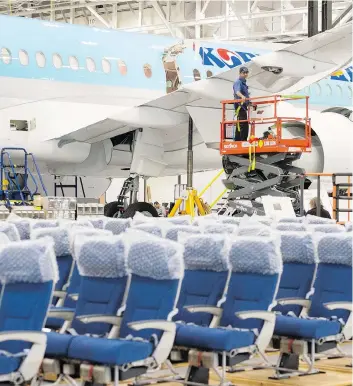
<point>191,199</point>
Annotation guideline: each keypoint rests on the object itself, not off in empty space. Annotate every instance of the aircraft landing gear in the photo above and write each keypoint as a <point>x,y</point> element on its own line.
<point>127,205</point>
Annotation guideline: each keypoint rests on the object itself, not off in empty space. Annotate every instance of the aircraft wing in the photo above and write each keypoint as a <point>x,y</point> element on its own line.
<point>288,70</point>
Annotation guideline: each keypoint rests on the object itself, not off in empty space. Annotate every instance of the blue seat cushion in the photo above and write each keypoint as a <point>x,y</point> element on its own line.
<point>109,351</point>
<point>305,328</point>
<point>58,344</point>
<point>215,339</point>
<point>8,365</point>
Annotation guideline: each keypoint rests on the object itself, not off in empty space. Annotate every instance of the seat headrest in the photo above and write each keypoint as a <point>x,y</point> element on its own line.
<point>229,220</point>
<point>178,220</point>
<point>254,230</point>
<point>101,256</point>
<point>287,226</point>
<point>327,228</point>
<point>348,226</point>
<point>117,225</point>
<point>173,231</point>
<point>23,228</point>
<point>291,220</point>
<point>81,231</point>
<point>76,223</point>
<point>335,248</point>
<point>260,256</point>
<point>206,252</point>
<point>310,219</point>
<point>152,228</point>
<point>43,224</point>
<point>211,227</point>
<point>298,248</point>
<point>29,261</point>
<point>254,219</point>
<point>98,222</point>
<point>10,230</point>
<point>60,237</point>
<point>153,257</point>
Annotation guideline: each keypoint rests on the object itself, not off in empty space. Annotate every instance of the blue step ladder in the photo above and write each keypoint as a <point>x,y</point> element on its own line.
<point>18,190</point>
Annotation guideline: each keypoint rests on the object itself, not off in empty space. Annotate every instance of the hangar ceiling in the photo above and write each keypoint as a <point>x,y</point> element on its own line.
<point>233,20</point>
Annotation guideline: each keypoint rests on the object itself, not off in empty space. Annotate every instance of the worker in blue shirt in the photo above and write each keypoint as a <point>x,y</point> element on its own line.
<point>241,91</point>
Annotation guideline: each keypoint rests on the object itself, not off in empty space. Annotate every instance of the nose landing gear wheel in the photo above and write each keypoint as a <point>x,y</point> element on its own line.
<point>143,207</point>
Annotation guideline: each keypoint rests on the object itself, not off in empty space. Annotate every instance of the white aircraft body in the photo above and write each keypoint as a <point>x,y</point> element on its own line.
<point>102,104</point>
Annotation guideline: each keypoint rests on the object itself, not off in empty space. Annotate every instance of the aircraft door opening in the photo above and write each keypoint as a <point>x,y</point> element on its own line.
<point>171,68</point>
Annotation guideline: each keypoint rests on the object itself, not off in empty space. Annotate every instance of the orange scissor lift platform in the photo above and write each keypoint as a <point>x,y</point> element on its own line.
<point>271,144</point>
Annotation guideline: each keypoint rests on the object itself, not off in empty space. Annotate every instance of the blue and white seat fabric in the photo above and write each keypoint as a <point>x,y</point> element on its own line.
<point>219,228</point>
<point>349,227</point>
<point>245,321</point>
<point>254,230</point>
<point>155,229</point>
<point>311,219</point>
<point>173,231</point>
<point>145,330</point>
<point>291,220</point>
<point>23,227</point>
<point>299,270</point>
<point>34,224</point>
<point>326,228</point>
<point>328,320</point>
<point>10,230</point>
<point>28,273</point>
<point>97,222</point>
<point>287,226</point>
<point>102,264</point>
<point>207,270</point>
<point>229,220</point>
<point>60,237</point>
<point>117,225</point>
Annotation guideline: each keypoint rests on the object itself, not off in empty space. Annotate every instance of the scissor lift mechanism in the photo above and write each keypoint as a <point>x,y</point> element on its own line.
<point>262,166</point>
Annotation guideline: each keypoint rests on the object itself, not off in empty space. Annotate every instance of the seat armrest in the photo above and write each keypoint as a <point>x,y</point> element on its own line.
<point>264,315</point>
<point>61,314</point>
<point>339,306</point>
<point>216,311</point>
<point>73,297</point>
<point>110,319</point>
<point>155,324</point>
<point>31,363</point>
<point>34,337</point>
<point>295,301</point>
<point>59,294</point>
<point>266,332</point>
<point>165,344</point>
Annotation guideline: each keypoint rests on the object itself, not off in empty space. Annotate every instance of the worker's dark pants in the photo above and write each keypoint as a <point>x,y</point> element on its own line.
<point>242,135</point>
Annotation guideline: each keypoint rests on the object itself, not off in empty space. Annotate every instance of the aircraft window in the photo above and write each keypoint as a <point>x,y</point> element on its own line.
<point>122,67</point>
<point>317,89</point>
<point>350,93</point>
<point>339,91</point>
<point>106,66</point>
<point>328,90</point>
<point>74,63</point>
<point>91,65</point>
<point>40,59</point>
<point>209,74</point>
<point>57,61</point>
<point>23,56</point>
<point>6,56</point>
<point>197,75</point>
<point>147,69</point>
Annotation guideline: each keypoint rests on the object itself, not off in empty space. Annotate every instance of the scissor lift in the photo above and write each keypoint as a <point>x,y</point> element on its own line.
<point>262,165</point>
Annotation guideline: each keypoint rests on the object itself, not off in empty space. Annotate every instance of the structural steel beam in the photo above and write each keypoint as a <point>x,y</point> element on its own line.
<point>313,18</point>
<point>98,16</point>
<point>344,17</point>
<point>326,15</point>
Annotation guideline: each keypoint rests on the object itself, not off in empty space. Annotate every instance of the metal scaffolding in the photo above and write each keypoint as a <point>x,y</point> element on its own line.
<point>247,20</point>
